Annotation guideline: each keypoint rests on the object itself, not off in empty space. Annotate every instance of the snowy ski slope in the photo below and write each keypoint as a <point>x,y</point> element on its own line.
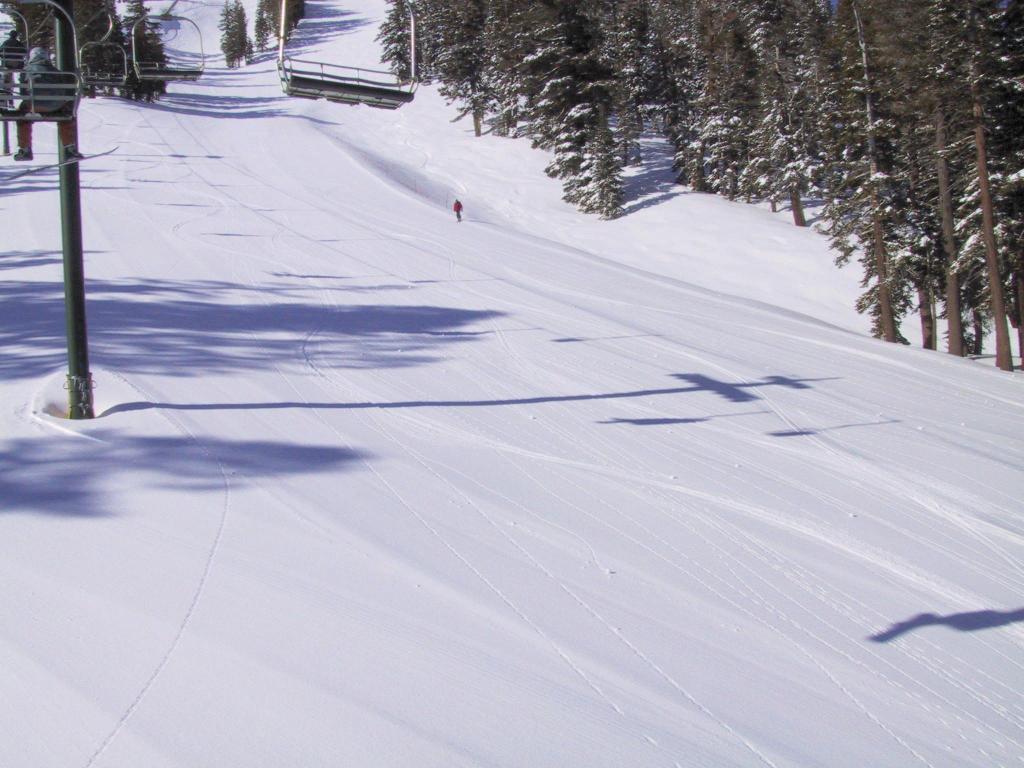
<point>372,488</point>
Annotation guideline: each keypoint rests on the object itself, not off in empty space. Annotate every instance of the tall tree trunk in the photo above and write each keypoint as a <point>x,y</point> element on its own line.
<point>1020,309</point>
<point>979,332</point>
<point>954,312</point>
<point>926,304</point>
<point>988,231</point>
<point>697,182</point>
<point>886,315</point>
<point>797,206</point>
<point>478,123</point>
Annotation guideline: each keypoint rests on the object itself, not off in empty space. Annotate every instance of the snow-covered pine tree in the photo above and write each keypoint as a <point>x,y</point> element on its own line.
<point>863,196</point>
<point>944,112</point>
<point>394,37</point>
<point>243,43</point>
<point>1007,139</point>
<point>569,96</point>
<point>462,58</point>
<point>630,54</point>
<point>916,245</point>
<point>726,109</point>
<point>968,31</point>
<point>600,179</point>
<point>785,155</point>
<point>228,26</point>
<point>678,78</point>
<point>263,27</point>
<point>508,41</point>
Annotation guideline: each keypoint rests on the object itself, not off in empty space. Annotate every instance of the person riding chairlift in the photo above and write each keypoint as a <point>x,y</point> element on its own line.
<point>38,72</point>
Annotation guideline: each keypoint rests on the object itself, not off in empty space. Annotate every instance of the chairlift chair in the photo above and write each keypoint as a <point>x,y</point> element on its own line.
<point>347,85</point>
<point>103,64</point>
<point>50,97</point>
<point>161,70</point>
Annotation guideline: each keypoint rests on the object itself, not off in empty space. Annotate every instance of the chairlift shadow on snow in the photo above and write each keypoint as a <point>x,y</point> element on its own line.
<point>971,621</point>
<point>700,383</point>
<point>231,107</point>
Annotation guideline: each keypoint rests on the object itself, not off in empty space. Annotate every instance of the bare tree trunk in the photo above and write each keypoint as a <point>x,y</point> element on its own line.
<point>926,304</point>
<point>954,312</point>
<point>988,231</point>
<point>697,182</point>
<point>979,332</point>
<point>797,206</point>
<point>478,123</point>
<point>1020,310</point>
<point>880,254</point>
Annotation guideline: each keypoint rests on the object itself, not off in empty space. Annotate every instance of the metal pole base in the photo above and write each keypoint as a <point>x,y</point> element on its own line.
<point>80,397</point>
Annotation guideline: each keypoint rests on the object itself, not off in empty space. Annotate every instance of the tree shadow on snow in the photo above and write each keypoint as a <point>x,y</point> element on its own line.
<point>65,478</point>
<point>27,259</point>
<point>197,328</point>
<point>962,622</point>
<point>654,181</point>
<point>323,21</point>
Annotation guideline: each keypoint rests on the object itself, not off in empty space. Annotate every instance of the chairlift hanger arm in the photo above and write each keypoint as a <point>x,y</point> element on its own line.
<point>151,71</point>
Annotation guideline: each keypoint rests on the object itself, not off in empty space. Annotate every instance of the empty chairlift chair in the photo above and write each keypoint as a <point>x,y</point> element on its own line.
<point>103,64</point>
<point>165,26</point>
<point>347,85</point>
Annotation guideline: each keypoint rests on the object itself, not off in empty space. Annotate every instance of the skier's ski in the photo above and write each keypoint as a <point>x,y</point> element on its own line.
<point>39,168</point>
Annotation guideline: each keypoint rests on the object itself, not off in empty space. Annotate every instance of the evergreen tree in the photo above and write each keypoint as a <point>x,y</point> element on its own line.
<point>263,27</point>
<point>630,53</point>
<point>228,35</point>
<point>234,38</point>
<point>786,145</point>
<point>508,41</point>
<point>395,39</point>
<point>569,92</point>
<point>863,197</point>
<point>461,59</point>
<point>1007,139</point>
<point>270,13</point>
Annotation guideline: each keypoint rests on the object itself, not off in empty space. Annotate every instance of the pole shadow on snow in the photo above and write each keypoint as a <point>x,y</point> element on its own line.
<point>972,621</point>
<point>192,329</point>
<point>34,472</point>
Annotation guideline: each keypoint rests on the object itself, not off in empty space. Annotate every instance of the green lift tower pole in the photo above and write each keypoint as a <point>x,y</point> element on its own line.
<point>79,382</point>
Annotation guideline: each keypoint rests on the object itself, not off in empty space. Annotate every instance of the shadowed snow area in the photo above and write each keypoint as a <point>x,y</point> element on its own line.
<point>368,487</point>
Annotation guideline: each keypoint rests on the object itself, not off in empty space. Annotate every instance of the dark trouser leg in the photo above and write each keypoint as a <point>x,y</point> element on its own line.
<point>25,136</point>
<point>66,133</point>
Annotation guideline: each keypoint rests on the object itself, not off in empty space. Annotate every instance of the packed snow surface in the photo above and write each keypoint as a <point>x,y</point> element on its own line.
<point>372,488</point>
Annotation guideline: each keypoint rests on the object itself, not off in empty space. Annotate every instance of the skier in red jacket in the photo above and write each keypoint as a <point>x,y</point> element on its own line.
<point>458,210</point>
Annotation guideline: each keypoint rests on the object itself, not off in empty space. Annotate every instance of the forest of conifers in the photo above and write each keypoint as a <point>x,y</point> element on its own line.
<point>900,121</point>
<point>897,124</point>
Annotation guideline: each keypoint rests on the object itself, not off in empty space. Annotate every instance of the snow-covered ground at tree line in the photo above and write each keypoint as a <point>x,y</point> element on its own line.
<point>372,488</point>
